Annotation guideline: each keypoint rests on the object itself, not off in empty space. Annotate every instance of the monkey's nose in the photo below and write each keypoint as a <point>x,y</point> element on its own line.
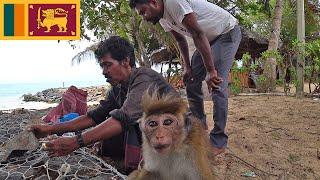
<point>160,137</point>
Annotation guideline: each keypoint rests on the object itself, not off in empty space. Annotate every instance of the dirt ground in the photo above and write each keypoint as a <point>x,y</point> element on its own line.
<point>275,137</point>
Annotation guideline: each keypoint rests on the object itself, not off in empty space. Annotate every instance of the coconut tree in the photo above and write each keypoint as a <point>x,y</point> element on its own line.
<point>271,63</point>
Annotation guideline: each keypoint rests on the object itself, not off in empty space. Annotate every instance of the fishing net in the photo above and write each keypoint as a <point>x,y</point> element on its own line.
<point>36,164</point>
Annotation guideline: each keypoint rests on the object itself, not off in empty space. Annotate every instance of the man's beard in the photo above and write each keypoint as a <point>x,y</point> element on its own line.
<point>110,81</point>
<point>154,20</point>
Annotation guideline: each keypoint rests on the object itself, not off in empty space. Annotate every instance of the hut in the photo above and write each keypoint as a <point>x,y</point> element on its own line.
<point>251,42</point>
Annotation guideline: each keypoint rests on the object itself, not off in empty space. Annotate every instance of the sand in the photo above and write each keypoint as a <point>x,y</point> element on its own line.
<point>274,137</point>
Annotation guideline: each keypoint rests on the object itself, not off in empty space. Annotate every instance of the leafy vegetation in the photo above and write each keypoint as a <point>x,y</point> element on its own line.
<point>100,19</point>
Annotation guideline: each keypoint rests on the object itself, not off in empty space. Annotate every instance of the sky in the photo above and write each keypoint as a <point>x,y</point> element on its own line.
<point>31,61</point>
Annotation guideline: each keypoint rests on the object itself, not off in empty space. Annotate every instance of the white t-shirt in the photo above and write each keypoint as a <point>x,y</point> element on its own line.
<point>212,19</point>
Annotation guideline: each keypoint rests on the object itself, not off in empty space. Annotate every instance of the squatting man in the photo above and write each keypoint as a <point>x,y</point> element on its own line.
<point>115,119</point>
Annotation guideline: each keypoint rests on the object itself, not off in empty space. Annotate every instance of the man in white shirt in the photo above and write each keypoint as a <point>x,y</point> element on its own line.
<point>216,36</point>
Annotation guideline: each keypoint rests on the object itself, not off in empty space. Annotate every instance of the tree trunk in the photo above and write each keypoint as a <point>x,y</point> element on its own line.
<point>270,64</point>
<point>141,56</point>
<point>145,59</point>
<point>301,38</point>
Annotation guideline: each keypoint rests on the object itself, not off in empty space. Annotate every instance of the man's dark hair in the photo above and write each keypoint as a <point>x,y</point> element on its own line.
<point>118,48</point>
<point>133,3</point>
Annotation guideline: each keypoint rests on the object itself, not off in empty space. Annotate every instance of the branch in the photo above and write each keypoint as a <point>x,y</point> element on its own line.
<point>250,165</point>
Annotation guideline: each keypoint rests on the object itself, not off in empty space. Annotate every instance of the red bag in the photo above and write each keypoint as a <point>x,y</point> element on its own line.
<point>74,100</point>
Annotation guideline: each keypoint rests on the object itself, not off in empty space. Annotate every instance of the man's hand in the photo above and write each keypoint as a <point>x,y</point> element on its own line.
<point>40,131</point>
<point>187,75</point>
<point>213,80</point>
<point>61,146</point>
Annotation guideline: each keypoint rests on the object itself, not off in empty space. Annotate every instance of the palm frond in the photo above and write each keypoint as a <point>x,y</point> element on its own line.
<point>88,53</point>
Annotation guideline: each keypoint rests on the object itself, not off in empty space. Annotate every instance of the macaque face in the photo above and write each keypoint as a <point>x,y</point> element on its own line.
<point>162,132</point>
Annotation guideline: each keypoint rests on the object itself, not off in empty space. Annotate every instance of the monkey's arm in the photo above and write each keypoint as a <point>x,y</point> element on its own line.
<point>143,174</point>
<point>134,174</point>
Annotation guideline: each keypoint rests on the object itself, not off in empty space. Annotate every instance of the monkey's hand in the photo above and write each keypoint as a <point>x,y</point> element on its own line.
<point>133,175</point>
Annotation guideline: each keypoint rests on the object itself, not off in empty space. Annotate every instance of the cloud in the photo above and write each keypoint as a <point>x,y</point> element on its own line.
<point>44,61</point>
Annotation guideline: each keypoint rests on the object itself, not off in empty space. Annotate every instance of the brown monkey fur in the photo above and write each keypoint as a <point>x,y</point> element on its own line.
<point>175,145</point>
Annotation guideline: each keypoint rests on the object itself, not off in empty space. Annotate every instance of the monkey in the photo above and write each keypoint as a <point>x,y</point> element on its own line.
<point>174,143</point>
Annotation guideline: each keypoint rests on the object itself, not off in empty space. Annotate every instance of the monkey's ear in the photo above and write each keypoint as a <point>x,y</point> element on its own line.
<point>187,121</point>
<point>140,122</point>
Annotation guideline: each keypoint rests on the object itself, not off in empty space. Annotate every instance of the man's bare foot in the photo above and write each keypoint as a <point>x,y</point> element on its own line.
<point>217,151</point>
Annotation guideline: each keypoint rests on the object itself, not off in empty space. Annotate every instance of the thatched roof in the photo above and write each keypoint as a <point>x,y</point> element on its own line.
<point>251,42</point>
<point>162,56</point>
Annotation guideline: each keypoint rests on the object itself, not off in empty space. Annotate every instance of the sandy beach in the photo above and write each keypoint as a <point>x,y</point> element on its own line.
<point>48,98</point>
<point>9,104</point>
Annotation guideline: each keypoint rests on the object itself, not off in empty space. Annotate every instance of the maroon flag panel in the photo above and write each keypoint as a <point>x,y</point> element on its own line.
<point>52,19</point>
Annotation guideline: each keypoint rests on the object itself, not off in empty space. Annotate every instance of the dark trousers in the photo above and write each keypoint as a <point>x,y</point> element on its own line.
<point>224,49</point>
<point>113,147</point>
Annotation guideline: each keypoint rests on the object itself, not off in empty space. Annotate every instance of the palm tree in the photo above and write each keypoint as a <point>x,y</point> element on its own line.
<point>271,64</point>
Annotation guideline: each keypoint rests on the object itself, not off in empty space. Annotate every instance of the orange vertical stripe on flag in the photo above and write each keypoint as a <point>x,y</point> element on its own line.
<point>19,19</point>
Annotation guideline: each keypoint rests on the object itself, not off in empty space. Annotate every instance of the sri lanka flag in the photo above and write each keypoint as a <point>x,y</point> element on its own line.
<point>39,19</point>
<point>13,20</point>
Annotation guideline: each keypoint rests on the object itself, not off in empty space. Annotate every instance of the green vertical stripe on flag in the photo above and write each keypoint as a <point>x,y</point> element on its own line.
<point>8,20</point>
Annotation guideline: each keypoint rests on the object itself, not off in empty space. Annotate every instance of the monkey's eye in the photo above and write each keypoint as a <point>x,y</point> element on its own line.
<point>167,122</point>
<point>152,123</point>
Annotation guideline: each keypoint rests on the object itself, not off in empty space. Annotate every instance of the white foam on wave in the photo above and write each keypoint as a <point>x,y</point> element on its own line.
<point>9,103</point>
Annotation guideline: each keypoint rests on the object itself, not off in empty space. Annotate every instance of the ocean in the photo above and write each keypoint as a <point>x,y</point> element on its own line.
<point>11,94</point>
